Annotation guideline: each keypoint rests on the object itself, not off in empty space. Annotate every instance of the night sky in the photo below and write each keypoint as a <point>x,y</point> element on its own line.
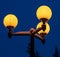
<point>25,10</point>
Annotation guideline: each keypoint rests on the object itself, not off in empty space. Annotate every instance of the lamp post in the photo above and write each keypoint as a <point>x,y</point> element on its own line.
<point>43,13</point>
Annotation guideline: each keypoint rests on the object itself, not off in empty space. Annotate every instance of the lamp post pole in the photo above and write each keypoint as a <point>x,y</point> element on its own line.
<point>32,54</point>
<point>32,45</point>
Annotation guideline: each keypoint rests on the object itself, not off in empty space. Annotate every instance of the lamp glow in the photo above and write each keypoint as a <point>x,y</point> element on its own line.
<point>10,20</point>
<point>47,28</point>
<point>44,12</point>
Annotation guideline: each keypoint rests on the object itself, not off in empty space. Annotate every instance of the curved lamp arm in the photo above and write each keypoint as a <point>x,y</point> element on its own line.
<point>28,33</point>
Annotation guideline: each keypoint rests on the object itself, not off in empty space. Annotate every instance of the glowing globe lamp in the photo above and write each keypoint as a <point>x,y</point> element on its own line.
<point>10,20</point>
<point>46,30</point>
<point>44,12</point>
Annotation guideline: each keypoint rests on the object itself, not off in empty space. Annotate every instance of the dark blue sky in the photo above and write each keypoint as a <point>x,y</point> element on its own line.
<point>25,10</point>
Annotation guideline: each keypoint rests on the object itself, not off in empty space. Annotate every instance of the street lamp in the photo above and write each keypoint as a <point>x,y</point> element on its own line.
<point>43,13</point>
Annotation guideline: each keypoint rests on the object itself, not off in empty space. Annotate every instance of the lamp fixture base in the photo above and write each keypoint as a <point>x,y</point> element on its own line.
<point>10,28</point>
<point>44,20</point>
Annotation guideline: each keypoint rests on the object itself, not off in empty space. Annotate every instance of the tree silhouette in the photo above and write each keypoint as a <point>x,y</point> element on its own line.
<point>56,54</point>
